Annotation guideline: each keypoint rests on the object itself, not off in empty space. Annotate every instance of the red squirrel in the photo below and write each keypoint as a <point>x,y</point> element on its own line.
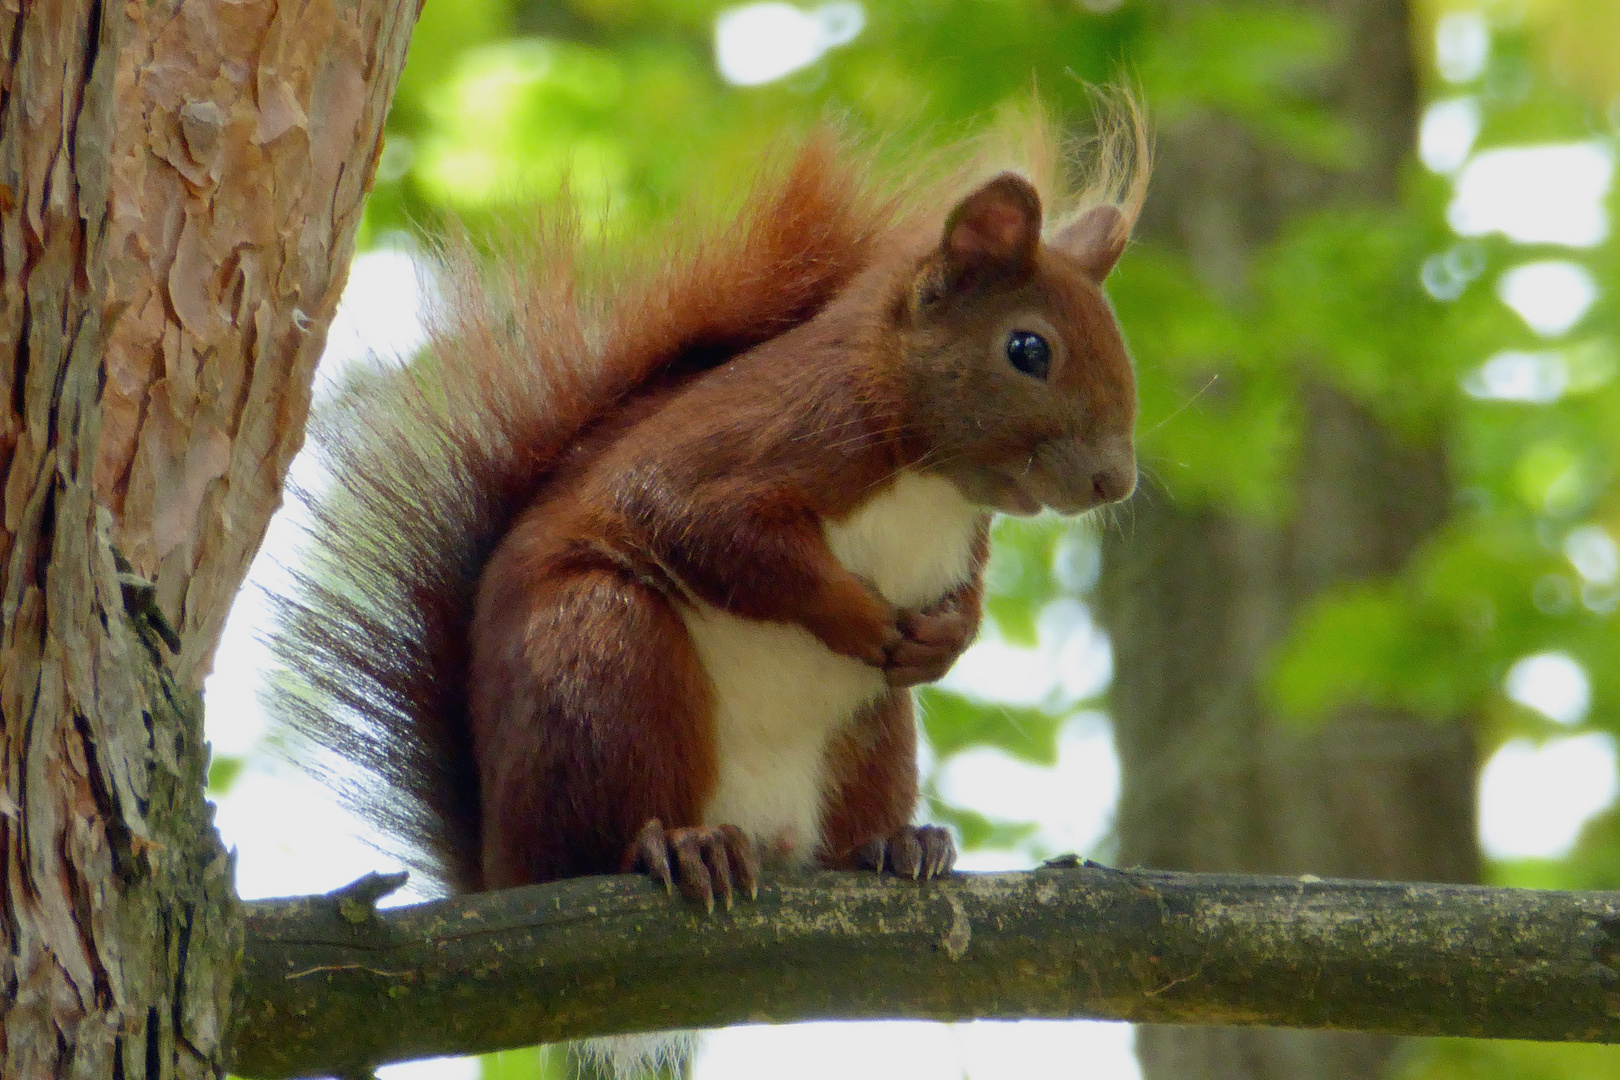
<point>636,577</point>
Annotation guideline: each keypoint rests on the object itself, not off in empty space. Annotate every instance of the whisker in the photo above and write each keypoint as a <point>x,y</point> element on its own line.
<point>933,457</point>
<point>1144,469</point>
<point>855,440</point>
<point>1185,405</point>
<point>829,429</point>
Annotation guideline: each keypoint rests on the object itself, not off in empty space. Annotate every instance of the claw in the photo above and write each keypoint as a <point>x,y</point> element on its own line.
<point>649,853</point>
<point>905,854</point>
<point>939,851</point>
<point>743,856</point>
<point>919,852</point>
<point>718,862</point>
<point>869,856</point>
<point>695,883</point>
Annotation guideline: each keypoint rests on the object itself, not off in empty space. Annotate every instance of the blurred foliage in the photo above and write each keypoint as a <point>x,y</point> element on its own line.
<point>503,101</point>
<point>222,772</point>
<point>1462,1059</point>
<point>529,1063</point>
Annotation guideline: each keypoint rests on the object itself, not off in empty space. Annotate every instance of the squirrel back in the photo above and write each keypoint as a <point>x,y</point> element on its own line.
<point>430,465</point>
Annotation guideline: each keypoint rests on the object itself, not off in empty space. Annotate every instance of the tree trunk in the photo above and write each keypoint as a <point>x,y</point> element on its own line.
<point>180,184</point>
<point>1196,598</point>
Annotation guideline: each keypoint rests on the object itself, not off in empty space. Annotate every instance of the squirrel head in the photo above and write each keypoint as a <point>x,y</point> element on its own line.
<point>1018,385</point>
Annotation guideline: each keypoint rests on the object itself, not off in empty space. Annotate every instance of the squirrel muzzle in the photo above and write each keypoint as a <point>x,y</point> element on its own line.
<point>1072,475</point>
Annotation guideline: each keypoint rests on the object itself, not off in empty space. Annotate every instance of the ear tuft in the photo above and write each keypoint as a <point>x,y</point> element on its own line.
<point>992,232</point>
<point>1096,239</point>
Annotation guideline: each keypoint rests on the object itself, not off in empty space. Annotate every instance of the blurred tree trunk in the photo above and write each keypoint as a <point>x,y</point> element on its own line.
<point>1196,598</point>
<point>180,185</point>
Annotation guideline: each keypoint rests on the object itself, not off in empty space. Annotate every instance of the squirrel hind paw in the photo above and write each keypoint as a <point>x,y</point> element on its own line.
<point>707,861</point>
<point>919,852</point>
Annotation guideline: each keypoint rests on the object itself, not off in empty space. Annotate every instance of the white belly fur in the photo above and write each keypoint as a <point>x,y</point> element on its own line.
<point>780,695</point>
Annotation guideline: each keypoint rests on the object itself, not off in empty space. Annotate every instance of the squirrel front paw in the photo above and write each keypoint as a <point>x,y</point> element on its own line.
<point>930,641</point>
<point>918,852</point>
<point>709,860</point>
<point>868,630</point>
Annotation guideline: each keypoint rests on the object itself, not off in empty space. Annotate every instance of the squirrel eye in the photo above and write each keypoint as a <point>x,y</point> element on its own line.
<point>1029,353</point>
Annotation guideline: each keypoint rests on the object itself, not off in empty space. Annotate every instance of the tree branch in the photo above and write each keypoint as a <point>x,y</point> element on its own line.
<point>328,986</point>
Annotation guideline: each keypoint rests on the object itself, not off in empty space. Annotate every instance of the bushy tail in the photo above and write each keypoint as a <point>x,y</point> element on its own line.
<point>430,465</point>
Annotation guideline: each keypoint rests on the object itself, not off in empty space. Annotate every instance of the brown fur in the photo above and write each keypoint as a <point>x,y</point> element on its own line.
<point>493,626</point>
<point>874,778</point>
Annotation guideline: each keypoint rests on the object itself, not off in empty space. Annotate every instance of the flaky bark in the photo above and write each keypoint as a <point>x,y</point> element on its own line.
<point>179,190</point>
<point>247,139</point>
<point>1196,599</point>
<point>333,988</point>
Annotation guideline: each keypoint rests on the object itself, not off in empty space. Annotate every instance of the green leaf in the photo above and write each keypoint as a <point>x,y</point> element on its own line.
<point>1480,1059</point>
<point>954,723</point>
<point>1019,580</point>
<point>1369,644</point>
<point>529,1063</point>
<point>978,831</point>
<point>222,773</point>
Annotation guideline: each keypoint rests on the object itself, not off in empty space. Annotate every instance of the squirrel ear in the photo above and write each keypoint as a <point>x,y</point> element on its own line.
<point>992,232</point>
<point>1096,239</point>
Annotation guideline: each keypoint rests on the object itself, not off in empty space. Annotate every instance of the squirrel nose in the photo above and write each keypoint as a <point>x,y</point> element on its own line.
<point>1113,482</point>
<point>1113,472</point>
<point>1072,476</point>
